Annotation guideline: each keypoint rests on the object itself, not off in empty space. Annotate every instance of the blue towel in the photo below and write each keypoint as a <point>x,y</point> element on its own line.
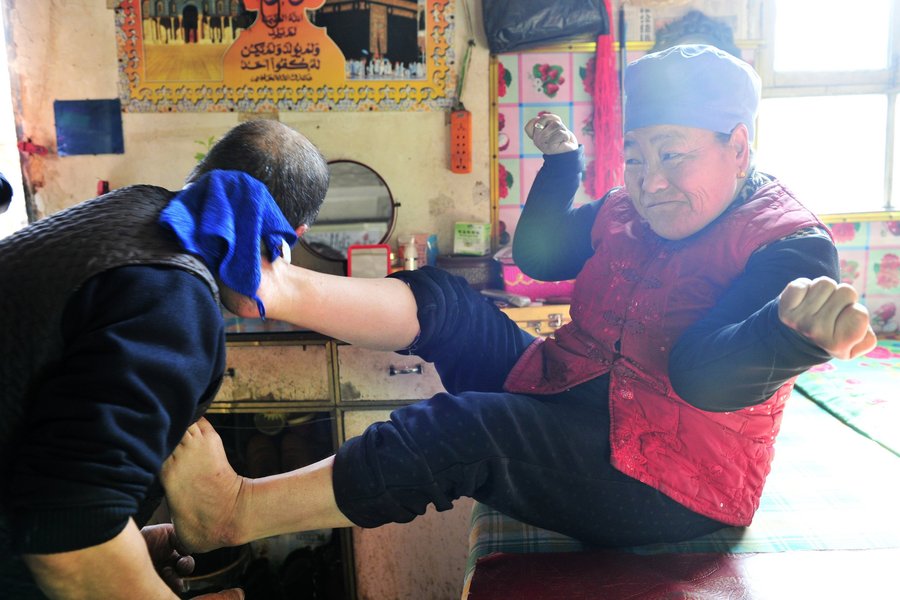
<point>221,219</point>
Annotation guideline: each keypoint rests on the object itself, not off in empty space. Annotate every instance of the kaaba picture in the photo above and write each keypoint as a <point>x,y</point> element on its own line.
<point>378,40</point>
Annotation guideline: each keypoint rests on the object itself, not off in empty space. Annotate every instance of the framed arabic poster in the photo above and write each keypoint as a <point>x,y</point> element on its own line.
<point>284,55</point>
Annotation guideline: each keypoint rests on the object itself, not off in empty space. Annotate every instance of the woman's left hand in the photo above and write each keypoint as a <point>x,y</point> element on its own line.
<point>829,314</point>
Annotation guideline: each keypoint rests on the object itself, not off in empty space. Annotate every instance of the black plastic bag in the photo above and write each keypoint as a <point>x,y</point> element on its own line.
<point>520,24</point>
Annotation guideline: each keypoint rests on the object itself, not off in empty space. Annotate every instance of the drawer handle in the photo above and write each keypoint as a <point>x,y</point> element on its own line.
<point>538,327</point>
<point>416,370</point>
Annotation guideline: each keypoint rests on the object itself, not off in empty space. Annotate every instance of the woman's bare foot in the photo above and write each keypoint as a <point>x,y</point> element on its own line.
<point>203,491</point>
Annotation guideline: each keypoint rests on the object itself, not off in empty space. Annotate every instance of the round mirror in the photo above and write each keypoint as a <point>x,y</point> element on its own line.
<point>358,209</point>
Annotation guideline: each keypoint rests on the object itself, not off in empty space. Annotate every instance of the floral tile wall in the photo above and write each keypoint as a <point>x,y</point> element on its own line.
<point>870,261</point>
<point>529,84</point>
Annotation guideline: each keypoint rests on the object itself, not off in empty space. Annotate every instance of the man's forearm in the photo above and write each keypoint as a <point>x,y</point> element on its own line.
<point>118,569</point>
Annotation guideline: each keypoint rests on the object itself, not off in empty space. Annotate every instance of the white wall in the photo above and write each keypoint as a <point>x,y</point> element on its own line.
<point>66,50</point>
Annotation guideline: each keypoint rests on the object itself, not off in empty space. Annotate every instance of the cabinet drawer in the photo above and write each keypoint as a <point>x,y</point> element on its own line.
<point>384,376</point>
<point>540,320</point>
<point>356,421</point>
<point>266,377</point>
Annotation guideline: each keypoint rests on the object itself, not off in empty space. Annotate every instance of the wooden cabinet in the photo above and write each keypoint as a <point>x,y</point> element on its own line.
<point>278,376</point>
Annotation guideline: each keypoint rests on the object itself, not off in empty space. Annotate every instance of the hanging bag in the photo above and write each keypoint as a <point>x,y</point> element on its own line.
<point>512,25</point>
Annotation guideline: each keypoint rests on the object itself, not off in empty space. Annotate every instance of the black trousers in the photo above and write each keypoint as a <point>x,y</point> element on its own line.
<point>543,460</point>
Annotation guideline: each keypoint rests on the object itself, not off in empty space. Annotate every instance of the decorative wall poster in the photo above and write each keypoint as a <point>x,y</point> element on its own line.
<point>282,55</point>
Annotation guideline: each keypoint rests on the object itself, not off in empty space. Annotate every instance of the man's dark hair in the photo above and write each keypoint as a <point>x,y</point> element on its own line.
<point>283,159</point>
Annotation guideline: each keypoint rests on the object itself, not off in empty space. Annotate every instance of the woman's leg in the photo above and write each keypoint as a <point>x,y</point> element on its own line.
<point>542,461</point>
<point>472,344</point>
<point>428,312</point>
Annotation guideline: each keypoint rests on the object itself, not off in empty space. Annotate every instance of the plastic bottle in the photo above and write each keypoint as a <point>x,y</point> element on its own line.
<point>410,255</point>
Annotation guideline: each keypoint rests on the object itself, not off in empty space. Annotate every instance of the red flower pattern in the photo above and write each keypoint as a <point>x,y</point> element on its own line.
<point>549,78</point>
<point>844,232</point>
<point>849,270</point>
<point>888,271</point>
<point>504,78</point>
<point>505,180</point>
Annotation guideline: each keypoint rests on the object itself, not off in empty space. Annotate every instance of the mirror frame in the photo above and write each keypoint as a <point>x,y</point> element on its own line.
<point>392,218</point>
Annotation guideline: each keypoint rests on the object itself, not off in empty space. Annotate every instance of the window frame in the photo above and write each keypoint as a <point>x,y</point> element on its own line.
<point>798,84</point>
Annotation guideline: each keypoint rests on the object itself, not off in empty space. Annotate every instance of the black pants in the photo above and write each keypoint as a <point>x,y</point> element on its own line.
<point>543,460</point>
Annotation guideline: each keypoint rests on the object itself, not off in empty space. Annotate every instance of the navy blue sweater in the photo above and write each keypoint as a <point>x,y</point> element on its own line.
<point>144,346</point>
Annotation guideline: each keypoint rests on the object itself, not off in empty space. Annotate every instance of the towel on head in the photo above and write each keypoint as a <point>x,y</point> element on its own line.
<point>221,218</point>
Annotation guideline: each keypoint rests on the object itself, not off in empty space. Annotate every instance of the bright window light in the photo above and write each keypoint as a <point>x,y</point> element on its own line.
<point>831,35</point>
<point>895,188</point>
<point>15,217</point>
<point>828,149</point>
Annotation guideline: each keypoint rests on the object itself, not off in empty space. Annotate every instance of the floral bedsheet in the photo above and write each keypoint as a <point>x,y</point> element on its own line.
<point>864,392</point>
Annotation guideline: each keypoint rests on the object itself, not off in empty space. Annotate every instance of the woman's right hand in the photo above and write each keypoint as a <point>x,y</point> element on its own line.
<point>828,314</point>
<point>550,135</point>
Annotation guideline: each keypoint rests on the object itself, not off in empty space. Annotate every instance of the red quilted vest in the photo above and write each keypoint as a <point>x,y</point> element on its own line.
<point>632,301</point>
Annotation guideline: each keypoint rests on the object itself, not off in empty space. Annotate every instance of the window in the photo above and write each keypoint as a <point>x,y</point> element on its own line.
<point>828,119</point>
<point>15,217</point>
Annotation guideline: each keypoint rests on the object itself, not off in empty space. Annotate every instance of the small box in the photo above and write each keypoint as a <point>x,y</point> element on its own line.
<point>472,239</point>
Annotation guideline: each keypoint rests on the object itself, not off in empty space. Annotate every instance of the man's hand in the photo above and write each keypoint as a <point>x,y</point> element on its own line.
<point>169,562</point>
<point>829,314</point>
<point>118,569</point>
<point>550,135</point>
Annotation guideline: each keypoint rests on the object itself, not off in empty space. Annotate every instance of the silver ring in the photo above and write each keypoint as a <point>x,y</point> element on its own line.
<point>539,125</point>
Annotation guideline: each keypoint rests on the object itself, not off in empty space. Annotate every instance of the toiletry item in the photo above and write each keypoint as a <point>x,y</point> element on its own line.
<point>410,255</point>
<point>426,246</point>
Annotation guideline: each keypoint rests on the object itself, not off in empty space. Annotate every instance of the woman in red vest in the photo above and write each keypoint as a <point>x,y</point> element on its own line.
<point>703,288</point>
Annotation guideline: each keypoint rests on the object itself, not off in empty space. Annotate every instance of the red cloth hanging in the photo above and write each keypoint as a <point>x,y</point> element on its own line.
<point>607,169</point>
